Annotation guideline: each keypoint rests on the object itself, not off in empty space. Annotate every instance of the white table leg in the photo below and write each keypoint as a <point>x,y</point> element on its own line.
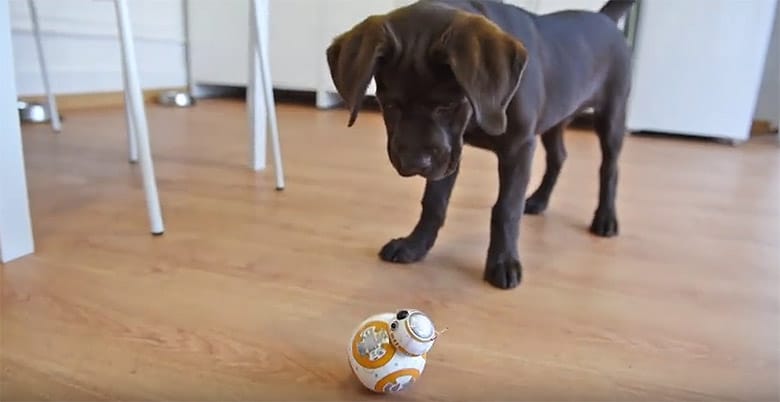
<point>132,141</point>
<point>262,81</point>
<point>16,236</point>
<point>139,123</point>
<point>53,109</point>
<point>256,110</point>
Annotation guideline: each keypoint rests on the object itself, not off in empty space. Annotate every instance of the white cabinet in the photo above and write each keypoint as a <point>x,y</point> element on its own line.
<point>300,32</point>
<point>339,16</point>
<point>698,66</point>
<point>219,42</point>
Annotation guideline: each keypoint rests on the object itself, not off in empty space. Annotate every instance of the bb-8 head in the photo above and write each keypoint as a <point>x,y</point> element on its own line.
<point>412,332</point>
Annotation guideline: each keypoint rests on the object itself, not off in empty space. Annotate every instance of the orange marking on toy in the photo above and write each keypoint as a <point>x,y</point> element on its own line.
<point>377,328</point>
<point>389,381</point>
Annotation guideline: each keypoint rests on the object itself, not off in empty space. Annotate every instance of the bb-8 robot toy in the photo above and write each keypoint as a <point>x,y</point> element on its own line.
<point>388,351</point>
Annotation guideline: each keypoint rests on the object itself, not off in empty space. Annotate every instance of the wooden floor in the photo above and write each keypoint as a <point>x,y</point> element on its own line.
<point>252,294</point>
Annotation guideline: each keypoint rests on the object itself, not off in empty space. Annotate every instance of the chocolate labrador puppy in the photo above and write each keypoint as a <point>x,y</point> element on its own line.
<point>492,76</point>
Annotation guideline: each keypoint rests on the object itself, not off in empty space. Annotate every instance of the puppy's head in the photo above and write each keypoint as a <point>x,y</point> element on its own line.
<point>437,70</point>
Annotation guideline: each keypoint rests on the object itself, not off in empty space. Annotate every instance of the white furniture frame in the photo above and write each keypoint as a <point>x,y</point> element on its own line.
<point>138,129</point>
<point>260,96</point>
<point>52,101</point>
<point>139,147</point>
<point>16,236</point>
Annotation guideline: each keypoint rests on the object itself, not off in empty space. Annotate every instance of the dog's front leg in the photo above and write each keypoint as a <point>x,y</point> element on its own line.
<point>414,247</point>
<point>503,268</point>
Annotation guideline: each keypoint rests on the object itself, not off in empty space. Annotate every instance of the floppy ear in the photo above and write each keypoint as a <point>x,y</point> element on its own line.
<point>488,64</point>
<point>352,58</point>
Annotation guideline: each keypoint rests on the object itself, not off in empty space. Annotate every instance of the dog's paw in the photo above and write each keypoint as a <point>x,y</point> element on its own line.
<point>604,224</point>
<point>403,250</point>
<point>505,273</point>
<point>535,205</point>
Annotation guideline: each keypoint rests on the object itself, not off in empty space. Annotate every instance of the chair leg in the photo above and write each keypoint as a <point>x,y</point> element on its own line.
<point>56,124</point>
<point>259,24</point>
<point>139,123</point>
<point>255,108</point>
<point>132,141</point>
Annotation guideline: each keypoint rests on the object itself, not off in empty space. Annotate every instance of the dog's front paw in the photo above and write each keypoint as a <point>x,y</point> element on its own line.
<point>403,250</point>
<point>604,223</point>
<point>535,205</point>
<point>504,273</point>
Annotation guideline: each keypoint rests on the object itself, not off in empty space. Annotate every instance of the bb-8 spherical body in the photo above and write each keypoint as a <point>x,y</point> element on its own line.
<point>387,352</point>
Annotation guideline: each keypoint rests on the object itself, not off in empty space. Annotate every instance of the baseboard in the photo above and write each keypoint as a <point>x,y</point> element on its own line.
<point>763,127</point>
<point>66,102</point>
<point>758,126</point>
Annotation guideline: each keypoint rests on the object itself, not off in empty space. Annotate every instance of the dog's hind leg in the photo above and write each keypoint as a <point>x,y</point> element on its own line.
<point>555,151</point>
<point>610,126</point>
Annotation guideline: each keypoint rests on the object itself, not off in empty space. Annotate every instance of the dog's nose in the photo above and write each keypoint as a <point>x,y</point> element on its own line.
<point>417,164</point>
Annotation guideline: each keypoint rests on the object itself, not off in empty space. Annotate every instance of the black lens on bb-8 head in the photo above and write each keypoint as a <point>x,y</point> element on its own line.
<point>402,314</point>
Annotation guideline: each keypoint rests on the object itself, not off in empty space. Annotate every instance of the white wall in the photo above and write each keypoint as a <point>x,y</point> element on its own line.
<point>548,6</point>
<point>80,42</point>
<point>82,49</point>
